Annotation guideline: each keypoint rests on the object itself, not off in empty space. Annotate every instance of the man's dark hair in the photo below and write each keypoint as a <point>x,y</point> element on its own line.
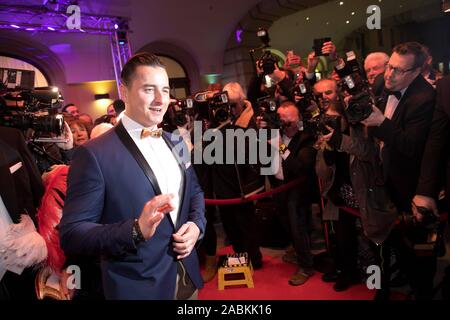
<point>140,59</point>
<point>64,109</point>
<point>119,106</point>
<point>414,48</point>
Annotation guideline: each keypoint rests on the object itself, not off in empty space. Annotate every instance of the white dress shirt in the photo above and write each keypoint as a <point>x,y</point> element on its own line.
<point>5,222</point>
<point>392,104</point>
<point>160,159</point>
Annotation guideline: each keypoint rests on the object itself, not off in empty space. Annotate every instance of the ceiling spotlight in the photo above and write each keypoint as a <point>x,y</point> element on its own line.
<point>347,22</point>
<point>341,3</point>
<point>51,29</point>
<point>353,13</point>
<point>307,18</point>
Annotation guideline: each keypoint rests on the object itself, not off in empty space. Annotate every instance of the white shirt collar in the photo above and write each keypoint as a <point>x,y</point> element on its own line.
<point>134,128</point>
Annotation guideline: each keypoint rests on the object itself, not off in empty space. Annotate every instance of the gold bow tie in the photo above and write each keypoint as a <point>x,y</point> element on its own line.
<point>151,133</point>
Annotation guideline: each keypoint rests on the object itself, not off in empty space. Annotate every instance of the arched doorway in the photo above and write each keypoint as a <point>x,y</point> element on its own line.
<point>178,78</point>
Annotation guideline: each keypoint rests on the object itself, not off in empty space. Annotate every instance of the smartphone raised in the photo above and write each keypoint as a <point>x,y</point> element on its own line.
<point>318,44</point>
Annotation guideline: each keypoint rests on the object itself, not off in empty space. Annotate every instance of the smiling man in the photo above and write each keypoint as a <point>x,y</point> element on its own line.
<point>132,201</point>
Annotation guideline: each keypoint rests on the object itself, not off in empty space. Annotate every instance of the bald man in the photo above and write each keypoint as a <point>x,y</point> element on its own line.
<point>375,64</point>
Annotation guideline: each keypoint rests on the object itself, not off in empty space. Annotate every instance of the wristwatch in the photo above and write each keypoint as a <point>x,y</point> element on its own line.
<point>136,232</point>
<point>283,148</point>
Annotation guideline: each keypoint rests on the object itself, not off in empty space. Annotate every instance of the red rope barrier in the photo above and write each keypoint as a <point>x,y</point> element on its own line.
<point>258,196</point>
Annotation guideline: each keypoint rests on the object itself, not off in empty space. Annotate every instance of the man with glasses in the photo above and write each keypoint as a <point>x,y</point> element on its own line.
<point>402,124</point>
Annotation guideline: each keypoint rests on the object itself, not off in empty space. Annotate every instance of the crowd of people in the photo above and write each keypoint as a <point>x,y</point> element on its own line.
<point>130,210</point>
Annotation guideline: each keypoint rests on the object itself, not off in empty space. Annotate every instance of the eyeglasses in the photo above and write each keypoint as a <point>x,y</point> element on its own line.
<point>399,71</point>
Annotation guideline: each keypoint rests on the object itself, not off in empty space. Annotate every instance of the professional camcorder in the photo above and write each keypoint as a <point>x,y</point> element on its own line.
<point>33,109</point>
<point>352,81</point>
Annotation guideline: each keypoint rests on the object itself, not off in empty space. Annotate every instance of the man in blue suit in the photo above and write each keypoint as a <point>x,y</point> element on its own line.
<point>132,200</point>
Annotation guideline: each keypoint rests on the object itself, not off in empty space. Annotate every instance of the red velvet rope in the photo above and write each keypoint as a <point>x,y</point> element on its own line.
<point>258,196</point>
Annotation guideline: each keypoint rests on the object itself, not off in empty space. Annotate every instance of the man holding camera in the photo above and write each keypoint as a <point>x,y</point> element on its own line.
<point>437,149</point>
<point>238,180</point>
<point>297,156</point>
<point>402,124</point>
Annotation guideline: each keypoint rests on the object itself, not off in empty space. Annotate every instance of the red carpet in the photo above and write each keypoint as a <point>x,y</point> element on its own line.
<point>271,283</point>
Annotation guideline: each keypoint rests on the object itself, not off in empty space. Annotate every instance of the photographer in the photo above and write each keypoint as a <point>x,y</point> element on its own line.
<point>332,167</point>
<point>238,180</point>
<point>21,190</point>
<point>402,126</point>
<point>297,156</point>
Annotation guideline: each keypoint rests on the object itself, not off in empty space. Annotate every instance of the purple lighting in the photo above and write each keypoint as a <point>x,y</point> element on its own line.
<point>50,28</point>
<point>30,29</point>
<point>116,26</point>
<point>14,26</point>
<point>239,35</point>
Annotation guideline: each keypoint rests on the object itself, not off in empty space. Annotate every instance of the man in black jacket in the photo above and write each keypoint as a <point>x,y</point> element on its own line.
<point>402,124</point>
<point>298,157</point>
<point>437,153</point>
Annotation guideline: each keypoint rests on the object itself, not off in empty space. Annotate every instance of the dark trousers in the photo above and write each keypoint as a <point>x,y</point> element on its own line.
<point>420,270</point>
<point>209,243</point>
<point>239,223</point>
<point>346,251</point>
<point>296,217</point>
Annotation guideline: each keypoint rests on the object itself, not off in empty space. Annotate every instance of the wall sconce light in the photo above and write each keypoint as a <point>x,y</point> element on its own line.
<point>102,96</point>
<point>446,5</point>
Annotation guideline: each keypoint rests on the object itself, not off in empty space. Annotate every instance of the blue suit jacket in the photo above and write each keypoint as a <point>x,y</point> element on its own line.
<point>107,190</point>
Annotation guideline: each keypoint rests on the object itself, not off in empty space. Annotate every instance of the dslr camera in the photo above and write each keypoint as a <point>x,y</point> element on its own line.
<point>352,81</point>
<point>267,60</point>
<point>268,107</point>
<point>181,110</point>
<point>216,104</point>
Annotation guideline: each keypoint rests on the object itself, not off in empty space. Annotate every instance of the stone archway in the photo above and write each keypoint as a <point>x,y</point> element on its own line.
<point>21,46</point>
<point>180,55</point>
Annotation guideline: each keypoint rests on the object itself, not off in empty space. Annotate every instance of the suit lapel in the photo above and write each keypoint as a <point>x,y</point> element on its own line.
<point>7,184</point>
<point>182,166</point>
<point>138,156</point>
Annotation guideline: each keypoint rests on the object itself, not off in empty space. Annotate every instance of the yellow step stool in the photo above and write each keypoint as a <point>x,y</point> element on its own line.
<point>235,274</point>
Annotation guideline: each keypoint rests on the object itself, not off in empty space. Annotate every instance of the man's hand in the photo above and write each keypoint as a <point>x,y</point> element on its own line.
<point>313,61</point>
<point>67,136</point>
<point>277,75</point>
<point>375,119</point>
<point>425,202</point>
<point>260,123</point>
<point>153,212</point>
<point>185,239</point>
<point>329,49</point>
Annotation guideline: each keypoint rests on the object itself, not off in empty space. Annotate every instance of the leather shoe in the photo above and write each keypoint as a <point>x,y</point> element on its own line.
<point>299,277</point>
<point>343,282</point>
<point>330,276</point>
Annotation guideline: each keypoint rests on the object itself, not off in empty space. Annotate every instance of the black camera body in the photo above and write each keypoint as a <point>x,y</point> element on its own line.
<point>305,91</point>
<point>219,108</point>
<point>267,62</point>
<point>352,81</point>
<point>181,110</point>
<point>268,107</point>
<point>37,111</point>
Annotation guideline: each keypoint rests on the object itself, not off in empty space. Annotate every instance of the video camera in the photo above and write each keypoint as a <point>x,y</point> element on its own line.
<point>267,107</point>
<point>32,109</point>
<point>352,81</point>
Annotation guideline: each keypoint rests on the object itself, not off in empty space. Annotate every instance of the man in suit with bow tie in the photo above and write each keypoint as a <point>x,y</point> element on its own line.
<point>402,124</point>
<point>132,200</point>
